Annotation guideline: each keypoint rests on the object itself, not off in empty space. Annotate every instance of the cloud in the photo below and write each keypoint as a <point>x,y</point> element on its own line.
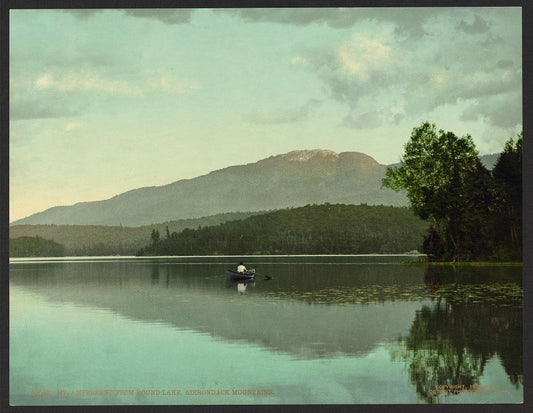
<point>371,120</point>
<point>296,61</point>
<point>161,81</point>
<point>334,17</point>
<point>479,25</point>
<point>83,14</point>
<point>285,115</point>
<point>58,94</point>
<point>31,108</point>
<point>88,81</point>
<point>72,126</point>
<point>407,21</point>
<point>360,56</point>
<point>504,64</point>
<point>503,110</point>
<point>383,76</point>
<point>167,16</point>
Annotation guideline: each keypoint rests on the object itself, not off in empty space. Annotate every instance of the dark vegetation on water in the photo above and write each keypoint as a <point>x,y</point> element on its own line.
<point>499,294</point>
<point>313,229</point>
<point>475,214</point>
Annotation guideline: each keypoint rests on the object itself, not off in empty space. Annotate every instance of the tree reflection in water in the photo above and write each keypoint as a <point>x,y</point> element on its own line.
<point>449,344</point>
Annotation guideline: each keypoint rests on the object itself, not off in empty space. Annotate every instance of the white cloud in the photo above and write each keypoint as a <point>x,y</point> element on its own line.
<point>360,55</point>
<point>85,82</point>
<point>383,76</point>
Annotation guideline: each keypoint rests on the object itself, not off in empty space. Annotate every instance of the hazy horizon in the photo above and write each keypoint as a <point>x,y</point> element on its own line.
<point>123,99</point>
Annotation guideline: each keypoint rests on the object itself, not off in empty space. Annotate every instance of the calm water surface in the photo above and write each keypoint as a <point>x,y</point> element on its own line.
<point>322,330</point>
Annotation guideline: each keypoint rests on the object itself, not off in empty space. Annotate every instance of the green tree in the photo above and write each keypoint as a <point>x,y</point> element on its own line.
<point>508,192</point>
<point>155,237</point>
<point>435,170</point>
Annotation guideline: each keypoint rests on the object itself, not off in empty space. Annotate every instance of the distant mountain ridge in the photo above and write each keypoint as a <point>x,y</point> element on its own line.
<point>293,179</point>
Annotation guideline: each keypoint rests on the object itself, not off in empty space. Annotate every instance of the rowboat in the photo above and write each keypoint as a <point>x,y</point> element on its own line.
<point>240,276</point>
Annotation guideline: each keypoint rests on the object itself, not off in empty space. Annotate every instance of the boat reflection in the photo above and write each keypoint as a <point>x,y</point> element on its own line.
<point>241,285</point>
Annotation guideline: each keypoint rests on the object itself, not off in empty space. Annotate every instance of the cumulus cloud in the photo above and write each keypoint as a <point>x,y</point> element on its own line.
<point>360,56</point>
<point>504,110</point>
<point>284,115</point>
<point>384,76</point>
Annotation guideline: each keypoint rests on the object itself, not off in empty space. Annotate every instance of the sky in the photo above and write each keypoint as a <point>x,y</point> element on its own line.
<point>105,101</point>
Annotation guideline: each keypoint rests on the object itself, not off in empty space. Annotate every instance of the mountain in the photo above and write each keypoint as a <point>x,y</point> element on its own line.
<point>294,179</point>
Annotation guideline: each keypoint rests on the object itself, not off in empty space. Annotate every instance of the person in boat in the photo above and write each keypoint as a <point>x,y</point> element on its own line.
<point>241,268</point>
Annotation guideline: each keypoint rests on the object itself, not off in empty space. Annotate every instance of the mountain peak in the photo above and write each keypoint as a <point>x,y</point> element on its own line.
<point>305,155</point>
<point>292,179</point>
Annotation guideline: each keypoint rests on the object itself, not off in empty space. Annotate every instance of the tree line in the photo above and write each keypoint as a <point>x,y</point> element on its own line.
<point>313,229</point>
<point>35,247</point>
<point>474,213</point>
<point>91,240</point>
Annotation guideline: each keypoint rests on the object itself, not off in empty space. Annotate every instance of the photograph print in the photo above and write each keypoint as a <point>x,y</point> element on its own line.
<point>265,206</point>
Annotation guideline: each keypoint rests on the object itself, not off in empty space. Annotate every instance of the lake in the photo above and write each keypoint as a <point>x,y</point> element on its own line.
<point>323,330</point>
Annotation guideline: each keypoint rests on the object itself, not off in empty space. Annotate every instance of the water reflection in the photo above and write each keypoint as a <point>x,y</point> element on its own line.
<point>447,321</point>
<point>194,297</point>
<point>241,286</point>
<point>450,341</point>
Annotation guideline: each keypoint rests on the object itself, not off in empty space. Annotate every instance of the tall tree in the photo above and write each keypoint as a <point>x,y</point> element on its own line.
<point>155,238</point>
<point>508,187</point>
<point>435,169</point>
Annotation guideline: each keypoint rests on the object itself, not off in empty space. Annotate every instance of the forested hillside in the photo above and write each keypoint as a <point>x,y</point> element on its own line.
<point>107,240</point>
<point>313,229</point>
<point>35,247</point>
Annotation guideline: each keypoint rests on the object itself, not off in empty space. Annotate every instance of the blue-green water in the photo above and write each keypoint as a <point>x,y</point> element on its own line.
<point>322,330</point>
